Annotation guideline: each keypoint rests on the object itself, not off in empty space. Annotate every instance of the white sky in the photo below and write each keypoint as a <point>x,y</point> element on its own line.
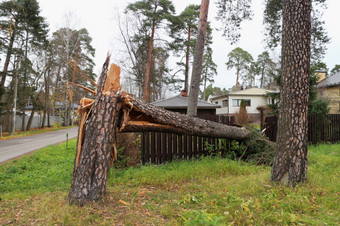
<point>98,18</point>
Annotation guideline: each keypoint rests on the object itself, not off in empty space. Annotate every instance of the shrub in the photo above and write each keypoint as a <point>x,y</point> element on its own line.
<point>242,115</point>
<point>259,149</point>
<point>256,149</point>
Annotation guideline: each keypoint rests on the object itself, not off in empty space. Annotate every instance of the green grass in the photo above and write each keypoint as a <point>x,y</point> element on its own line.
<point>210,191</point>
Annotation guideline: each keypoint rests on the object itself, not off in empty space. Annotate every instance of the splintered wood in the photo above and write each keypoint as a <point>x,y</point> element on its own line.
<point>112,82</point>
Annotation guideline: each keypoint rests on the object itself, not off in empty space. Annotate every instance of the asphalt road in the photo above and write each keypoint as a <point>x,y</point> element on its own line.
<point>16,147</point>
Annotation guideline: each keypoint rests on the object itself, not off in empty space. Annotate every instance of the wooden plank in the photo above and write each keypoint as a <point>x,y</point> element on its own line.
<point>170,146</point>
<point>185,147</point>
<point>153,148</point>
<point>164,141</point>
<point>205,143</point>
<point>180,147</point>
<point>195,146</point>
<point>190,148</point>
<point>216,144</point>
<point>175,146</point>
<point>200,146</point>
<point>159,148</point>
<point>143,148</point>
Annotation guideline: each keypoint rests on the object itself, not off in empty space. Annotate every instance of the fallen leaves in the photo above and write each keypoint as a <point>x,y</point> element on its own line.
<point>123,202</point>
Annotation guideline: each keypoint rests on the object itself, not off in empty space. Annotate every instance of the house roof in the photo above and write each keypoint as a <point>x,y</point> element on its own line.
<point>247,92</point>
<point>329,81</point>
<point>180,102</point>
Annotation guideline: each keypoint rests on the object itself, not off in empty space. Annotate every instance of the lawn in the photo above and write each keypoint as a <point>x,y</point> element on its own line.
<point>209,191</point>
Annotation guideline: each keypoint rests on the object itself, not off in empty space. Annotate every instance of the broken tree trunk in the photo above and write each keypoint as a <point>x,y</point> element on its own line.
<point>96,143</point>
<point>114,110</point>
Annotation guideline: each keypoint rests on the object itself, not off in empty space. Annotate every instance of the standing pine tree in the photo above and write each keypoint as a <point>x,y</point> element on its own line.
<point>290,162</point>
<point>197,66</point>
<point>154,12</point>
<point>241,61</point>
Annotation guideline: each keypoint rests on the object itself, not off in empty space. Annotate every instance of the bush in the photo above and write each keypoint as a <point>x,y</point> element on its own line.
<point>259,149</point>
<point>256,149</point>
<point>242,115</point>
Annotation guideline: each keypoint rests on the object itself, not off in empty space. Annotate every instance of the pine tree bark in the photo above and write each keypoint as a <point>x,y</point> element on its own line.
<point>290,163</point>
<point>187,59</point>
<point>237,75</point>
<point>198,57</point>
<point>95,147</point>
<point>146,92</point>
<point>8,58</point>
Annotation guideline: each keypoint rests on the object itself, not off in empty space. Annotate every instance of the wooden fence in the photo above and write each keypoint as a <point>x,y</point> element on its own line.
<point>163,147</point>
<point>319,130</point>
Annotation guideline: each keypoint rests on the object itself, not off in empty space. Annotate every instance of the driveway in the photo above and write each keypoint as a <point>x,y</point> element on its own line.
<point>13,148</point>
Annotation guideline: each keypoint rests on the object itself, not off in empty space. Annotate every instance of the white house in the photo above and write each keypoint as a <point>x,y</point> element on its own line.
<point>253,97</point>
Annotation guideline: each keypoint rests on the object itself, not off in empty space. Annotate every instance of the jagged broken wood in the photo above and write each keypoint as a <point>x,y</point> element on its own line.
<point>112,111</point>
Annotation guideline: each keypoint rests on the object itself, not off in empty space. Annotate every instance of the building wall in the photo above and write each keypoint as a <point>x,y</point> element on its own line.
<point>255,102</point>
<point>224,109</point>
<point>203,112</point>
<point>332,96</point>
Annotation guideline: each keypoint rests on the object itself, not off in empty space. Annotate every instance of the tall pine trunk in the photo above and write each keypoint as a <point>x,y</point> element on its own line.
<point>187,59</point>
<point>290,163</point>
<point>8,58</point>
<point>237,76</point>
<point>198,59</point>
<point>146,92</point>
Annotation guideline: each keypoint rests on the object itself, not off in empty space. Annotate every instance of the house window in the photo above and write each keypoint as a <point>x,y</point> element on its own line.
<point>224,103</point>
<point>216,102</point>
<point>237,102</point>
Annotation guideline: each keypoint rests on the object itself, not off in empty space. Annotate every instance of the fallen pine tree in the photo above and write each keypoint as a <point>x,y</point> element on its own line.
<point>114,111</point>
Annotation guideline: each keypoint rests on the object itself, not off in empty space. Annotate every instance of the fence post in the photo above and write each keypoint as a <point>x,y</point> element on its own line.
<point>66,141</point>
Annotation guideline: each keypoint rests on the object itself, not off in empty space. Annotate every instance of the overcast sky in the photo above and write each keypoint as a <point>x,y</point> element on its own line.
<point>98,18</point>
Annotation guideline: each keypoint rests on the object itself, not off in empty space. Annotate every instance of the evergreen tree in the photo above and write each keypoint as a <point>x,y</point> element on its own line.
<point>153,13</point>
<point>231,13</point>
<point>209,70</point>
<point>290,162</point>
<point>273,31</point>
<point>24,34</point>
<point>241,61</point>
<point>184,32</point>
<point>336,69</point>
<point>266,68</point>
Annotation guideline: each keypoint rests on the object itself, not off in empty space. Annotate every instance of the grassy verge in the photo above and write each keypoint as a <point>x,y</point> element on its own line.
<point>17,134</point>
<point>209,191</point>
